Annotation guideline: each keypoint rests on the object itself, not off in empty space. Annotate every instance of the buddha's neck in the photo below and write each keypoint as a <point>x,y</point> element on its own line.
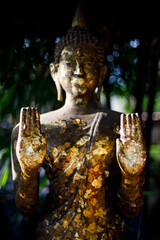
<point>78,105</point>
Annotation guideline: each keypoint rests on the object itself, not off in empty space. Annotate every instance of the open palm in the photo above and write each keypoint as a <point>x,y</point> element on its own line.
<point>31,145</point>
<point>130,148</point>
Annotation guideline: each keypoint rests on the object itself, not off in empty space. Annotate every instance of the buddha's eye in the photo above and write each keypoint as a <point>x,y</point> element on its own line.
<point>68,63</point>
<point>89,64</point>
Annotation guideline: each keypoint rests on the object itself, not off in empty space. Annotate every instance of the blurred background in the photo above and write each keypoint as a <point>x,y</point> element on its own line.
<point>131,34</point>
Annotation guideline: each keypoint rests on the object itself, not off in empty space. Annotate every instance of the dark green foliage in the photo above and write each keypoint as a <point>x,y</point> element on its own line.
<point>24,81</point>
<point>26,48</point>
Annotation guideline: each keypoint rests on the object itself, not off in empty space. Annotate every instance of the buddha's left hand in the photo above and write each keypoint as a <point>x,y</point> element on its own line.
<point>130,149</point>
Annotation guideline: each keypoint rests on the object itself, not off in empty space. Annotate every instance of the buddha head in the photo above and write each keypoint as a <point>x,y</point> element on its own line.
<point>79,62</point>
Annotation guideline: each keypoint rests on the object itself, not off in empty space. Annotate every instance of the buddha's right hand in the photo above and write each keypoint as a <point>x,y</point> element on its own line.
<point>31,145</point>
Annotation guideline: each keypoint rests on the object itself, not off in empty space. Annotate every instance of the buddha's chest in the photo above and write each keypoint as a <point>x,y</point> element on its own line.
<point>76,145</point>
<point>81,158</point>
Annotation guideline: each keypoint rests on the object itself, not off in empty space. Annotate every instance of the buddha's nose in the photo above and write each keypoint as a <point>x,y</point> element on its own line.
<point>79,69</point>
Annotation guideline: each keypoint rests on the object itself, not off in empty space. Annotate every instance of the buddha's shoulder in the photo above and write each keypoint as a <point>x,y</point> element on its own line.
<point>104,119</point>
<point>110,115</point>
<point>49,117</point>
<point>109,123</point>
<point>57,115</point>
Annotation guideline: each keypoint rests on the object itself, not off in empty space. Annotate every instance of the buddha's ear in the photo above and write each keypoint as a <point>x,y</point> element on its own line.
<point>55,76</point>
<point>102,76</point>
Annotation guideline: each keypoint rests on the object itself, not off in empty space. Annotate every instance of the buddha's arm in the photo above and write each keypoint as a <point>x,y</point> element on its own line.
<point>131,156</point>
<point>28,152</point>
<point>131,194</point>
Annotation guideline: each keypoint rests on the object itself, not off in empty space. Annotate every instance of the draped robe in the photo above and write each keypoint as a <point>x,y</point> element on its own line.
<point>84,179</point>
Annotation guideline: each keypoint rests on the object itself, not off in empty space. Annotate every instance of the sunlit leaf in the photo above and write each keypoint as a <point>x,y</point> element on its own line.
<point>4,173</point>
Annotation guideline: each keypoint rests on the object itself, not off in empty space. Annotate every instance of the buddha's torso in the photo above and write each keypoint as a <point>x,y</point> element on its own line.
<point>81,152</point>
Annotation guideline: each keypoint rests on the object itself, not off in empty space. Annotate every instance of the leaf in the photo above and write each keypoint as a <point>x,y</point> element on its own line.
<point>4,173</point>
<point>4,166</point>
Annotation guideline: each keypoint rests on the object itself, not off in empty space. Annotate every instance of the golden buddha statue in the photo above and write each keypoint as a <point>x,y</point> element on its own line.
<point>95,170</point>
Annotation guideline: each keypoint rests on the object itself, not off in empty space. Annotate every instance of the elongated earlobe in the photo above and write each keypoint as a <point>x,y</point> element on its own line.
<point>54,73</point>
<point>59,91</point>
<point>101,79</point>
<point>98,93</point>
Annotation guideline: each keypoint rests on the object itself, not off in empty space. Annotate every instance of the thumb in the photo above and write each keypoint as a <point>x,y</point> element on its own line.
<point>119,153</point>
<point>118,145</point>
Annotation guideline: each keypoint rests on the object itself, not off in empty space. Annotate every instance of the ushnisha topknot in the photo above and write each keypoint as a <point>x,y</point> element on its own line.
<point>77,34</point>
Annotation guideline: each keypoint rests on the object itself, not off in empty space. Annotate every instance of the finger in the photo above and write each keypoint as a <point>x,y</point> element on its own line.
<point>28,121</point>
<point>119,151</point>
<point>22,122</point>
<point>134,123</point>
<point>118,145</point>
<point>38,126</point>
<point>128,125</point>
<point>139,127</point>
<point>123,127</point>
<point>35,123</point>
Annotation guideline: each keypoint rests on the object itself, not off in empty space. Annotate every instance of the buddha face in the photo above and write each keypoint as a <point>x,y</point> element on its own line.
<point>79,70</point>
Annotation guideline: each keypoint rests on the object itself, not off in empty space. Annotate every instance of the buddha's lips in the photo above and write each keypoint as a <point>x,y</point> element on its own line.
<point>78,81</point>
<point>79,85</point>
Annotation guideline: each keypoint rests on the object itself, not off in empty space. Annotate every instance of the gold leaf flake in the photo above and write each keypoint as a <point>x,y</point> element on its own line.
<point>74,151</point>
<point>96,168</point>
<point>116,129</point>
<point>56,225</point>
<point>97,183</point>
<point>100,213</point>
<point>79,122</point>
<point>100,151</point>
<point>87,213</point>
<point>65,223</point>
<point>47,222</point>
<point>76,235</point>
<point>106,173</point>
<point>82,141</point>
<point>78,210</point>
<point>55,152</point>
<point>78,177</point>
<point>81,202</point>
<point>87,193</point>
<point>93,228</point>
<point>94,201</point>
<point>67,144</point>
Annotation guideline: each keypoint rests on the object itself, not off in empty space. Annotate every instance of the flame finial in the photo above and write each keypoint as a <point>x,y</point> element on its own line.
<point>79,19</point>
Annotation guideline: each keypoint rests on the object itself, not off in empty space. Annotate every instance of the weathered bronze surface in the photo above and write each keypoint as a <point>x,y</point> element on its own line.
<point>93,158</point>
